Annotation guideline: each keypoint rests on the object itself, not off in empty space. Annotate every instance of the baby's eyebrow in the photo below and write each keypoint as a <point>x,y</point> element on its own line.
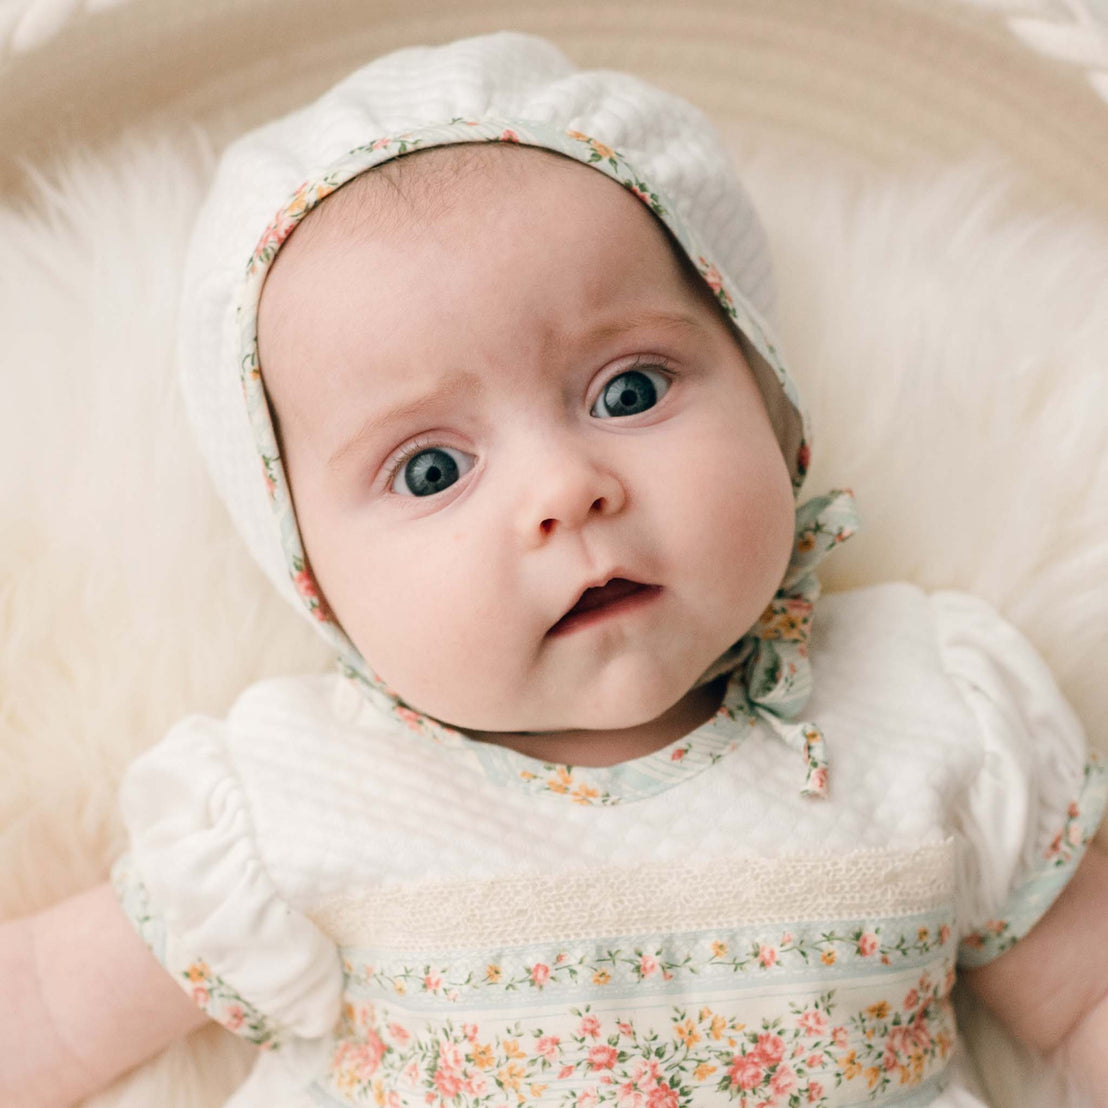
<point>639,319</point>
<point>454,386</point>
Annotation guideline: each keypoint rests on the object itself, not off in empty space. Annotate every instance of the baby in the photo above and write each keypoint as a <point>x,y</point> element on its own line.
<point>493,400</point>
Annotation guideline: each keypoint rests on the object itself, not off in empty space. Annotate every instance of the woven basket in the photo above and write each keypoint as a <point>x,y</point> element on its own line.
<point>885,82</point>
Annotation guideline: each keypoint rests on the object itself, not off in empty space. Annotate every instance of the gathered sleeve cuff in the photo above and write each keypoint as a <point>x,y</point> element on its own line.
<point>1038,796</point>
<point>196,889</point>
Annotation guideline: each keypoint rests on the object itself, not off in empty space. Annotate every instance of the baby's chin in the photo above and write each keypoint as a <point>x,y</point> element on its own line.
<point>635,690</point>
<point>623,710</point>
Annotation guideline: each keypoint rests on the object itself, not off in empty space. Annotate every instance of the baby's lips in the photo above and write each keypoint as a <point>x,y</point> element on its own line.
<point>611,591</point>
<point>616,589</point>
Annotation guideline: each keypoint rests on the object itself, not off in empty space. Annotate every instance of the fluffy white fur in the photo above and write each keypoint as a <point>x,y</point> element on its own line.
<point>949,344</point>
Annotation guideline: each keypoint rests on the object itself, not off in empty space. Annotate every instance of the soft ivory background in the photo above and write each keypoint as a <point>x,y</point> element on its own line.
<point>947,321</point>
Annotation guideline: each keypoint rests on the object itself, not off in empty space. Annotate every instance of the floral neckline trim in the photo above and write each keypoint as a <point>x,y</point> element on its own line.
<point>605,786</point>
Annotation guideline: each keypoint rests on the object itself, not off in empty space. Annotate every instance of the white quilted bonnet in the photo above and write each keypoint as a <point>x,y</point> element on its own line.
<point>500,87</point>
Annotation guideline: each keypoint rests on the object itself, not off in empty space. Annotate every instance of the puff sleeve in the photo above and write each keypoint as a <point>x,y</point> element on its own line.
<point>195,886</point>
<point>1037,796</point>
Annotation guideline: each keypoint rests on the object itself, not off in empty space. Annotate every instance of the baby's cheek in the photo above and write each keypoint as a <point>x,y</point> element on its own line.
<point>749,546</point>
<point>436,639</point>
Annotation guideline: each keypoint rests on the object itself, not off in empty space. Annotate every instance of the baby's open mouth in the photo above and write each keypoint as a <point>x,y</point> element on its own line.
<point>618,594</point>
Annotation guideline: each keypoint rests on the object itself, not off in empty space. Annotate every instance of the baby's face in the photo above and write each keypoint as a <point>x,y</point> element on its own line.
<point>490,409</point>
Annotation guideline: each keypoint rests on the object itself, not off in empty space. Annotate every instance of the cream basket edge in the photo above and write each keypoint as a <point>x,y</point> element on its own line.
<point>886,82</point>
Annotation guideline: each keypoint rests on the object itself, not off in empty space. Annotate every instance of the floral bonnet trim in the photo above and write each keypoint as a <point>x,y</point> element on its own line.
<point>777,670</point>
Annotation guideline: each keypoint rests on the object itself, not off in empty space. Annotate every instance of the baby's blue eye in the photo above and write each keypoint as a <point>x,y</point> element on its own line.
<point>630,392</point>
<point>430,471</point>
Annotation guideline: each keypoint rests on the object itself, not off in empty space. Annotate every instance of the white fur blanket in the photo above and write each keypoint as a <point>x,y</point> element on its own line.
<point>951,347</point>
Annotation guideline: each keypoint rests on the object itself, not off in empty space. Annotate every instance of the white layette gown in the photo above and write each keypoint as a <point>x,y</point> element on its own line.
<point>402,919</point>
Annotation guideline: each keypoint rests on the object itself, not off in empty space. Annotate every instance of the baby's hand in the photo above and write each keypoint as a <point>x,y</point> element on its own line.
<point>1051,988</point>
<point>83,1002</point>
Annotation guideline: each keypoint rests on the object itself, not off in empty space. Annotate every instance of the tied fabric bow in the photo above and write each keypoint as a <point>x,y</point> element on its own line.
<point>772,657</point>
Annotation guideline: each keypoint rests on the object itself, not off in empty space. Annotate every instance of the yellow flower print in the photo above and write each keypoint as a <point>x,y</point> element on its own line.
<point>599,147</point>
<point>379,1093</point>
<point>300,200</point>
<point>492,974</point>
<point>561,781</point>
<point>878,1011</point>
<point>399,986</point>
<point>790,626</point>
<point>687,1033</point>
<point>601,977</point>
<point>511,1075</point>
<point>719,950</point>
<point>527,775</point>
<point>787,620</point>
<point>511,1049</point>
<point>828,957</point>
<point>584,794</point>
<point>537,1090</point>
<point>703,1071</point>
<point>482,1056</point>
<point>873,1075</point>
<point>851,1066</point>
<point>719,1025</point>
<point>197,971</point>
<point>923,934</point>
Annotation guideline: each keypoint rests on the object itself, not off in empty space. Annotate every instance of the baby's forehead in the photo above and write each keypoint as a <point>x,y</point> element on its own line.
<point>427,185</point>
<point>468,234</point>
<point>453,191</point>
<point>471,199</point>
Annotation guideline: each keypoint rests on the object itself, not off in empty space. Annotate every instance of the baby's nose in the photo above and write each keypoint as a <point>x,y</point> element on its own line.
<point>570,489</point>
